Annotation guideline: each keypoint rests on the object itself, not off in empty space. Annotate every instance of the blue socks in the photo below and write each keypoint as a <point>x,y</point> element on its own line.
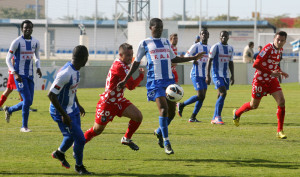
<point>191,100</point>
<point>163,124</point>
<point>219,106</point>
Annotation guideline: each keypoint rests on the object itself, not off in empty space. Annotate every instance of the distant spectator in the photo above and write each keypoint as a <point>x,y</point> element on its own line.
<point>255,55</point>
<point>248,53</point>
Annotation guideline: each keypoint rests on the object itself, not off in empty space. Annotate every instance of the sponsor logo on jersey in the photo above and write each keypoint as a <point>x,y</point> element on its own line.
<point>262,53</point>
<point>57,87</point>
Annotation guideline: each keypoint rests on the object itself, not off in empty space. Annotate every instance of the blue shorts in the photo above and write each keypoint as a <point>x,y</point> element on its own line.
<point>199,83</point>
<point>152,94</point>
<point>76,125</point>
<point>221,81</point>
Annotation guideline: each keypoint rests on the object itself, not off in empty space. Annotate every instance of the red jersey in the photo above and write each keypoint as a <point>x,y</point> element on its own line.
<point>266,62</point>
<point>174,48</point>
<point>117,73</point>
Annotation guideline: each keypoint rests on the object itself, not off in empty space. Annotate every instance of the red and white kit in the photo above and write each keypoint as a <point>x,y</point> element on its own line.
<point>112,101</point>
<point>266,62</point>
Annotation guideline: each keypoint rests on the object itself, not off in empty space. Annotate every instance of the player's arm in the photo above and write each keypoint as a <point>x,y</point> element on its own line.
<point>55,89</point>
<point>179,59</point>
<point>207,68</point>
<point>135,65</point>
<point>9,56</point>
<point>231,68</point>
<point>263,55</point>
<point>37,59</point>
<point>192,52</point>
<point>131,83</point>
<point>81,109</point>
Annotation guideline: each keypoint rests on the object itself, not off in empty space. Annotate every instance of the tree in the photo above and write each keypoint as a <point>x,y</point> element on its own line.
<point>276,21</point>
<point>297,22</point>
<point>15,13</point>
<point>223,17</point>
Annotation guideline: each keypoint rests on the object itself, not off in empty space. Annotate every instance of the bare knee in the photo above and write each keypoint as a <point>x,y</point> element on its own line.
<point>281,102</point>
<point>138,117</point>
<point>98,129</point>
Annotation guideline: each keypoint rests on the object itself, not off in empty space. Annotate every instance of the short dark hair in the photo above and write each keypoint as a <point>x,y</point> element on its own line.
<point>250,43</point>
<point>224,31</point>
<point>124,47</point>
<point>79,52</point>
<point>153,21</point>
<point>173,35</point>
<point>26,21</point>
<point>281,33</point>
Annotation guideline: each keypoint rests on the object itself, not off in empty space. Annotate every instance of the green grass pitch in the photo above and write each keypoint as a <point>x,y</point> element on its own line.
<point>201,149</point>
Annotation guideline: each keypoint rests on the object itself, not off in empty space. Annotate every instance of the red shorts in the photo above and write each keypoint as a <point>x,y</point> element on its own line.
<point>11,82</point>
<point>260,90</point>
<point>175,74</point>
<point>106,112</point>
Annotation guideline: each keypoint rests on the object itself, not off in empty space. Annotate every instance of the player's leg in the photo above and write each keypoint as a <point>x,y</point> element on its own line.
<point>96,130</point>
<point>219,105</point>
<point>192,99</point>
<point>279,97</point>
<point>79,142</point>
<point>27,102</point>
<point>136,117</point>
<point>201,96</point>
<point>162,106</point>
<point>4,95</point>
<point>65,144</point>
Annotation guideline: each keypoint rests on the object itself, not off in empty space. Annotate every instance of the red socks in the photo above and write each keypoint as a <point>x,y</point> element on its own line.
<point>89,134</point>
<point>246,107</point>
<point>280,117</point>
<point>132,127</point>
<point>2,100</point>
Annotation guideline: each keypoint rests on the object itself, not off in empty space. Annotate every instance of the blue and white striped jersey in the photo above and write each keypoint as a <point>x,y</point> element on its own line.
<point>198,69</point>
<point>159,54</point>
<point>23,51</point>
<point>65,87</point>
<point>221,55</point>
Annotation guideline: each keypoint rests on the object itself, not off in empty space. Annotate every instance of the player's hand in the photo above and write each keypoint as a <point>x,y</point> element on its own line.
<point>232,80</point>
<point>284,74</point>
<point>275,73</point>
<point>81,110</point>
<point>199,55</point>
<point>121,84</point>
<point>66,120</point>
<point>18,77</point>
<point>39,72</point>
<point>142,71</point>
<point>208,80</point>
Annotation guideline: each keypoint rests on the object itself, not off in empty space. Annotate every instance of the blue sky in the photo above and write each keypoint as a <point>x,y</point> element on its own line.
<point>240,8</point>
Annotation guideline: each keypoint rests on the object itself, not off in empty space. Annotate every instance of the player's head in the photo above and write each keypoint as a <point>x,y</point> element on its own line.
<point>27,28</point>
<point>259,48</point>
<point>280,39</point>
<point>251,44</point>
<point>224,37</point>
<point>80,56</point>
<point>204,35</point>
<point>174,39</point>
<point>126,53</point>
<point>156,27</point>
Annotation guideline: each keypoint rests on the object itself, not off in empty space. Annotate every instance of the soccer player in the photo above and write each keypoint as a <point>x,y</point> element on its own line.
<point>265,81</point>
<point>159,55</point>
<point>112,101</point>
<point>174,41</point>
<point>66,110</point>
<point>221,54</point>
<point>24,48</point>
<point>197,76</point>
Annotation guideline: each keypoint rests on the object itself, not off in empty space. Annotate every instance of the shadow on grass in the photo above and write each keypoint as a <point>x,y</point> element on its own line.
<point>241,163</point>
<point>97,174</point>
<point>268,123</point>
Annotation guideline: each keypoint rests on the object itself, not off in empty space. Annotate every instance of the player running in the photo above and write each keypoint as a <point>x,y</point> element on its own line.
<point>265,81</point>
<point>113,103</point>
<point>24,48</point>
<point>221,54</point>
<point>197,75</point>
<point>159,55</point>
<point>66,110</point>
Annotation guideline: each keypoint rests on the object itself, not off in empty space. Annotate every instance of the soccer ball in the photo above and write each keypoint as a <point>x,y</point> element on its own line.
<point>174,92</point>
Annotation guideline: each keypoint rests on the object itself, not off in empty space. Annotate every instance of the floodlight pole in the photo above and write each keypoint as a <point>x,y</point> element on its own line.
<point>255,24</point>
<point>200,16</point>
<point>95,29</point>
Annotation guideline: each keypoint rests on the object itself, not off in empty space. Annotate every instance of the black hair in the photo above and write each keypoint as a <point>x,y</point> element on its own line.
<point>250,43</point>
<point>26,21</point>
<point>153,21</point>
<point>125,46</point>
<point>80,52</point>
<point>281,33</point>
<point>204,29</point>
<point>224,31</point>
